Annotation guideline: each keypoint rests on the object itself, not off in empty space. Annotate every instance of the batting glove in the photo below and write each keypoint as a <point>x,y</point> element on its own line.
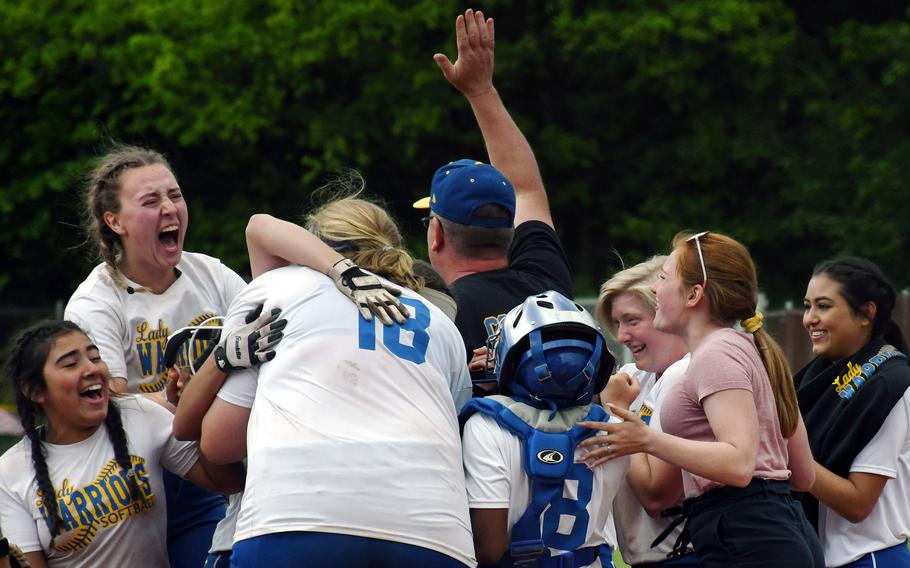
<point>251,344</point>
<point>368,292</point>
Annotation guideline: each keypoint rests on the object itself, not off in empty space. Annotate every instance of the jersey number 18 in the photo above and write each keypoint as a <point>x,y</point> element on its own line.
<point>416,325</point>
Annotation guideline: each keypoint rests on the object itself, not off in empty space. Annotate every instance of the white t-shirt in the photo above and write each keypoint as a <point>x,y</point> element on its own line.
<point>353,429</point>
<point>496,479</point>
<point>131,330</point>
<point>887,454</point>
<point>635,528</point>
<point>103,526</point>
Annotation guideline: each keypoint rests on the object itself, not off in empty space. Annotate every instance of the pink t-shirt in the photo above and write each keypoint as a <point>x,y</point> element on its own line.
<point>726,359</point>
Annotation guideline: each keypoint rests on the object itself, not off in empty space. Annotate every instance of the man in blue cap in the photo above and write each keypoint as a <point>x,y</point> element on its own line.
<point>489,233</point>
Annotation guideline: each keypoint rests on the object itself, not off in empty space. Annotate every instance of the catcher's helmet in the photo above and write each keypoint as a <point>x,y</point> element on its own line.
<point>550,350</point>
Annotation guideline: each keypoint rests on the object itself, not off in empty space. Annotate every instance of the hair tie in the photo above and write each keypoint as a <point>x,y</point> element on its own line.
<point>753,324</point>
<point>387,248</point>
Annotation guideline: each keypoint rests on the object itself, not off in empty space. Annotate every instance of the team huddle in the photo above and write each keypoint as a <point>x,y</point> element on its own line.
<point>354,407</point>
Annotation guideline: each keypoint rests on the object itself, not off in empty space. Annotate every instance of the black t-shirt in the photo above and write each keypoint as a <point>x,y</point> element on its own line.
<point>537,263</point>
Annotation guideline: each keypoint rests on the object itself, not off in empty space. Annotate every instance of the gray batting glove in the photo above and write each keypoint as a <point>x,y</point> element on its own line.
<point>253,343</point>
<point>368,292</point>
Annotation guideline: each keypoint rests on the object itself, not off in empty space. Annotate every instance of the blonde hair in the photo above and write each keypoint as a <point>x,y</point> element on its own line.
<point>637,281</point>
<point>365,233</point>
<point>732,295</point>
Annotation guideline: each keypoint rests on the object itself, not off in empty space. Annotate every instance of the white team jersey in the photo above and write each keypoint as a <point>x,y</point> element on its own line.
<point>131,330</point>
<point>496,479</point>
<point>887,454</point>
<point>635,528</point>
<point>353,429</point>
<point>103,525</point>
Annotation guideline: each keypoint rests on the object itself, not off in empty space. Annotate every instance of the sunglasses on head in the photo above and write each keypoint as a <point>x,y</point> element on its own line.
<point>701,257</point>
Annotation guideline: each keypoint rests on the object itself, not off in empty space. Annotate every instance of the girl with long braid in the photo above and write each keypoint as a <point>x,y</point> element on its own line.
<point>83,487</point>
<point>855,399</point>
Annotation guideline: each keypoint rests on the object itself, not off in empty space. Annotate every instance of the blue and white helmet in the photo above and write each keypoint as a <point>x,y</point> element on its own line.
<point>550,350</point>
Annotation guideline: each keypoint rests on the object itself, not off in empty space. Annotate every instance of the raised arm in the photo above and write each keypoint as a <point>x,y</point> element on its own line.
<point>246,346</point>
<point>196,399</point>
<point>273,243</point>
<point>509,151</point>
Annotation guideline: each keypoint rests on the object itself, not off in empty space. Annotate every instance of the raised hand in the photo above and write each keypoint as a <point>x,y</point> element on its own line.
<point>621,390</point>
<point>472,72</point>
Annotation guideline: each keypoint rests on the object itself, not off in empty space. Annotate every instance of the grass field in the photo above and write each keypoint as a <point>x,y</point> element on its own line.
<point>617,560</point>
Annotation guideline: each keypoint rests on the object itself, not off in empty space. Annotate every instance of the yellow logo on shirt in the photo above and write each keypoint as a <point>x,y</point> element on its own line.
<point>101,504</point>
<point>493,323</point>
<point>645,413</point>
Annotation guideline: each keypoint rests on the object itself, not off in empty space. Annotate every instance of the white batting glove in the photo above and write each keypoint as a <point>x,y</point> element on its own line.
<point>368,292</point>
<point>251,344</point>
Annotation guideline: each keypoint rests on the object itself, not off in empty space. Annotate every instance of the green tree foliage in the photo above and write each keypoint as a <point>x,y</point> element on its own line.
<point>759,119</point>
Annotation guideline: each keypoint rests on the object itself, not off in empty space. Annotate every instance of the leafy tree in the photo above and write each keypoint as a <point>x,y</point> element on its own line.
<point>757,119</point>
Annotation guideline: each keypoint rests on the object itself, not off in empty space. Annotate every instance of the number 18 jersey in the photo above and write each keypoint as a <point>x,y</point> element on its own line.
<point>353,428</point>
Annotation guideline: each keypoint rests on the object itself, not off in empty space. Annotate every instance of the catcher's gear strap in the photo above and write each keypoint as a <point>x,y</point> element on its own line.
<point>547,458</point>
<point>539,418</point>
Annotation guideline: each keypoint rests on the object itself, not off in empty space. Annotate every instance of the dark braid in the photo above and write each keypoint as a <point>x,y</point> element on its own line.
<point>121,449</point>
<point>25,369</point>
<point>45,486</point>
<point>862,281</point>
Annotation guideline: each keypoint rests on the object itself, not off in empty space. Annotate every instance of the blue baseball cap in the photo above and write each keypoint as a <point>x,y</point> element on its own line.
<point>460,188</point>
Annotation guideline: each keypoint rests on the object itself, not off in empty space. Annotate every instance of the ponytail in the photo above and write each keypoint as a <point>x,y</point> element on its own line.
<point>732,295</point>
<point>365,233</point>
<point>772,356</point>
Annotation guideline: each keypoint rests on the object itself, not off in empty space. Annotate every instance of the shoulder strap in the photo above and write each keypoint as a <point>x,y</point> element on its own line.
<point>547,458</point>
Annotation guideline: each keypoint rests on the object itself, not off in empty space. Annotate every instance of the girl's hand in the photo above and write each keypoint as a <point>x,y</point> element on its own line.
<point>177,379</point>
<point>621,390</point>
<point>479,361</point>
<point>630,436</point>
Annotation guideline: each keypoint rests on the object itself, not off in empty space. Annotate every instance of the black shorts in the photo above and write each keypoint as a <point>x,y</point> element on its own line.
<point>758,525</point>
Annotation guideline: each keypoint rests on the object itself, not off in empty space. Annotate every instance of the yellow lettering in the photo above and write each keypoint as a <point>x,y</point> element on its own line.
<point>841,382</point>
<point>141,330</point>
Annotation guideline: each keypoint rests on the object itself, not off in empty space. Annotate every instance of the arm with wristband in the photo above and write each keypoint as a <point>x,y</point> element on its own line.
<point>249,345</point>
<point>273,243</point>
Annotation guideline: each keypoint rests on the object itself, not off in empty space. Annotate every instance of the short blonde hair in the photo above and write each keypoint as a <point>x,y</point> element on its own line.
<point>365,233</point>
<point>637,281</point>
